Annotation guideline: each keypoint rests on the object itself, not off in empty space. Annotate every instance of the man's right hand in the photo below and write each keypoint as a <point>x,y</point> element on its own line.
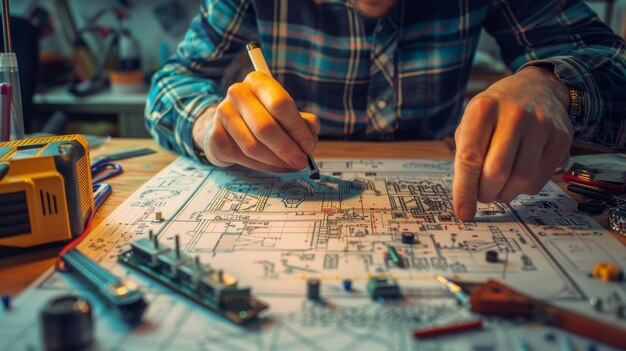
<point>258,126</point>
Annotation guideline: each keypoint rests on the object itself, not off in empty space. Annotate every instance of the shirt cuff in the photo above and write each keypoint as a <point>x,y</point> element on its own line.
<point>190,147</point>
<point>575,75</point>
<point>198,151</point>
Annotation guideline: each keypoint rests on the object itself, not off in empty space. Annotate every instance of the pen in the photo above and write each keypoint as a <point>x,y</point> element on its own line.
<point>5,111</point>
<point>260,65</point>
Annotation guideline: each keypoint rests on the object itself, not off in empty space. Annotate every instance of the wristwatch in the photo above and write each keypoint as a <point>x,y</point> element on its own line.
<point>577,106</point>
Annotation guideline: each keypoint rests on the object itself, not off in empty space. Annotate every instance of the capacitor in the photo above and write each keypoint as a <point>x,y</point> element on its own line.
<point>491,256</point>
<point>67,323</point>
<point>408,238</point>
<point>313,288</point>
<point>347,284</point>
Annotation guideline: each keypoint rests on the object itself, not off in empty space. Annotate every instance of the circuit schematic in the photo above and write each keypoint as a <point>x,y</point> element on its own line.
<point>273,232</point>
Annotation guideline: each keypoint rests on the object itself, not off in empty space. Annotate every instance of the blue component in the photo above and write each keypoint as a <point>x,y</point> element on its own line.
<point>6,301</point>
<point>347,284</point>
<point>550,337</point>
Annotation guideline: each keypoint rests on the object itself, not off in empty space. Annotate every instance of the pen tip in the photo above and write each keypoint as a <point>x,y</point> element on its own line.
<point>314,176</point>
<point>252,45</point>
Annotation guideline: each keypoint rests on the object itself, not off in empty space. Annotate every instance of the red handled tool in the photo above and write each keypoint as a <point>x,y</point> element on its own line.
<point>495,298</point>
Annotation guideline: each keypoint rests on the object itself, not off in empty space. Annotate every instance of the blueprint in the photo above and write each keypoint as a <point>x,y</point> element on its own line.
<point>274,231</point>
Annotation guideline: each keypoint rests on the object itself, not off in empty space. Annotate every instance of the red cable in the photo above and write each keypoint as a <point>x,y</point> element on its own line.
<point>72,244</point>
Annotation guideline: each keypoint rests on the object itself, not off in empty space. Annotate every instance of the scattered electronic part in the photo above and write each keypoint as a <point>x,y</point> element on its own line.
<point>122,295</point>
<point>491,256</point>
<point>617,219</point>
<point>383,288</point>
<point>607,271</point>
<point>158,216</point>
<point>395,257</point>
<point>67,324</point>
<point>347,284</point>
<point>596,303</point>
<point>6,302</point>
<point>408,238</point>
<point>211,288</point>
<point>313,288</point>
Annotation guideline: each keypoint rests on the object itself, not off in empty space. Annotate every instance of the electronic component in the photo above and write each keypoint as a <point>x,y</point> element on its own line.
<point>491,256</point>
<point>408,238</point>
<point>211,288</point>
<point>122,295</point>
<point>6,302</point>
<point>67,324</point>
<point>45,191</point>
<point>383,288</point>
<point>158,216</point>
<point>313,288</point>
<point>596,303</point>
<point>395,257</point>
<point>347,284</point>
<point>608,272</point>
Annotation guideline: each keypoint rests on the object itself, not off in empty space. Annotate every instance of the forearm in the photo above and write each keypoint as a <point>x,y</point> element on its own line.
<point>567,38</point>
<point>174,103</point>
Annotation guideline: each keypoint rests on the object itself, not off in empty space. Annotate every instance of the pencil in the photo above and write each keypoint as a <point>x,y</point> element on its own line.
<point>260,65</point>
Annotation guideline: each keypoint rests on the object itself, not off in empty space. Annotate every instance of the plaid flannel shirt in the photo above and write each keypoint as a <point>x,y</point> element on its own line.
<point>402,76</point>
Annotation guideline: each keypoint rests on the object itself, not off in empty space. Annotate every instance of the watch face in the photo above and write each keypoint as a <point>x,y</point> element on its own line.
<point>576,105</point>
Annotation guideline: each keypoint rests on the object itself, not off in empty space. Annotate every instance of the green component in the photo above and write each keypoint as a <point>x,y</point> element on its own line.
<point>393,254</point>
<point>385,288</point>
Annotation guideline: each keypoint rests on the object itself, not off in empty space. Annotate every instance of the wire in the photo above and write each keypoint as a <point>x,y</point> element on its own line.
<point>58,264</point>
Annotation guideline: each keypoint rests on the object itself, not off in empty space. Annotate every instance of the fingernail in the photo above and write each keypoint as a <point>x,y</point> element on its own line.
<point>298,162</point>
<point>308,145</point>
<point>466,214</point>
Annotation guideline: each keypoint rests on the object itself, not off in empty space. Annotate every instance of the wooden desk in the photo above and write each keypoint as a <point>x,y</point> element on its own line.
<point>16,273</point>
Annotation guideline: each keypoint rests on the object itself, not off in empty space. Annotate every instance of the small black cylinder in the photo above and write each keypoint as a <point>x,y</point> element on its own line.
<point>313,288</point>
<point>408,238</point>
<point>491,256</point>
<point>67,324</point>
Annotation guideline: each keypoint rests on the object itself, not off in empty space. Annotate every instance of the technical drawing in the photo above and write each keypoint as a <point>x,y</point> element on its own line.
<point>273,232</point>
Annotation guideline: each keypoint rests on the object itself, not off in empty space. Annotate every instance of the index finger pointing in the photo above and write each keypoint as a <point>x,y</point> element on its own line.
<point>472,140</point>
<point>282,107</point>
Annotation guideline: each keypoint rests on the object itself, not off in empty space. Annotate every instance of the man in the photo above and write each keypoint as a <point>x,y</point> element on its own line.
<point>392,70</point>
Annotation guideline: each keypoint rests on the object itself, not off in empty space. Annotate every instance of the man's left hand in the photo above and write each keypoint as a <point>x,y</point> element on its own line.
<point>510,140</point>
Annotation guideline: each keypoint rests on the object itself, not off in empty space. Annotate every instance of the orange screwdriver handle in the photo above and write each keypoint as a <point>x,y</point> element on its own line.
<point>494,298</point>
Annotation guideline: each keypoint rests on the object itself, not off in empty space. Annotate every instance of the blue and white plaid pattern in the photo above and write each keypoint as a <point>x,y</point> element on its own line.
<point>399,77</point>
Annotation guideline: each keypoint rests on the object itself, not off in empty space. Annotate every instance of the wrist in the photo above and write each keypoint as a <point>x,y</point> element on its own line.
<point>558,89</point>
<point>200,126</point>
